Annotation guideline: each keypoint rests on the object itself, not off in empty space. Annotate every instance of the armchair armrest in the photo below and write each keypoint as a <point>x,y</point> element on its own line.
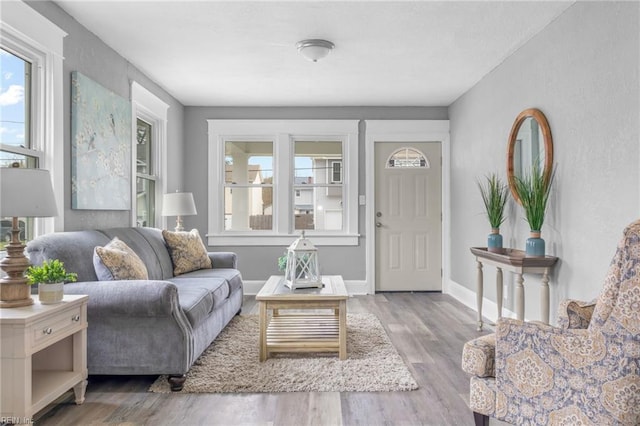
<point>224,259</point>
<point>139,298</point>
<point>575,314</point>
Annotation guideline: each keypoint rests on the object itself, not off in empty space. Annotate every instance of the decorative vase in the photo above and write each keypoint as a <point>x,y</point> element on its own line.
<point>494,241</point>
<point>535,245</point>
<point>50,294</point>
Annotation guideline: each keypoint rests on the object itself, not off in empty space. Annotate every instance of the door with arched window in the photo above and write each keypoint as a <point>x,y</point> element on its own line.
<point>408,218</point>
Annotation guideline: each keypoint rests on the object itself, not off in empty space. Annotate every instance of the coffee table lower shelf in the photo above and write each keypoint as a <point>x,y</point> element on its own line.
<point>303,333</point>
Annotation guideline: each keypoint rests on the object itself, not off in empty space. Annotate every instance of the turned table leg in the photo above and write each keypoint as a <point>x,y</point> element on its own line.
<point>520,296</point>
<point>499,290</point>
<point>544,297</point>
<point>479,290</point>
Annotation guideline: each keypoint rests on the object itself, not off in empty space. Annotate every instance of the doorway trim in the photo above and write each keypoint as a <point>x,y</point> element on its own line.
<point>403,131</point>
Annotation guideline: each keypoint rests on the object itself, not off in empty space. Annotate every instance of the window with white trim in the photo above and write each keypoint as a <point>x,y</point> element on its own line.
<point>271,179</point>
<point>146,178</point>
<point>31,120</point>
<point>319,205</point>
<point>248,185</point>
<point>150,126</point>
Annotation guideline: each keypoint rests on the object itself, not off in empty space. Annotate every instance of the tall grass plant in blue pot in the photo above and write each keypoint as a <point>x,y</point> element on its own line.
<point>494,194</point>
<point>533,189</point>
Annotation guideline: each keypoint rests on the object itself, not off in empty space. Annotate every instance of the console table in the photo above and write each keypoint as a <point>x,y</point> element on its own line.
<point>517,262</point>
<point>44,354</point>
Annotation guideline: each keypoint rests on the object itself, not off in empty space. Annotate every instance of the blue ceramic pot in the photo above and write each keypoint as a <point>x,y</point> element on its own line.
<point>535,245</point>
<point>494,242</point>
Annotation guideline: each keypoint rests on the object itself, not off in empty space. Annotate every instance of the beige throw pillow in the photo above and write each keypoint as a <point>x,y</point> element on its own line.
<point>187,250</point>
<point>117,261</point>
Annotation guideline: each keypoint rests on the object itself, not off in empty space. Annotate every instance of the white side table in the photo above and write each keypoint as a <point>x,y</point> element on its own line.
<point>44,354</point>
<point>515,261</point>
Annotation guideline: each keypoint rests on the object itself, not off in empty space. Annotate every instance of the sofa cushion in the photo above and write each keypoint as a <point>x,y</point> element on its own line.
<point>217,287</point>
<point>232,276</point>
<point>187,251</point>
<point>117,261</point>
<point>197,304</point>
<point>198,297</point>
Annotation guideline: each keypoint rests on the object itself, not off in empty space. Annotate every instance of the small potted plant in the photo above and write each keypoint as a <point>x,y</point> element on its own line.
<point>533,189</point>
<point>50,277</point>
<point>494,194</point>
<point>282,262</point>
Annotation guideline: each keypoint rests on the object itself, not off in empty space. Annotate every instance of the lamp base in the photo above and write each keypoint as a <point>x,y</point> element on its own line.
<point>14,295</point>
<point>179,227</point>
<point>14,289</point>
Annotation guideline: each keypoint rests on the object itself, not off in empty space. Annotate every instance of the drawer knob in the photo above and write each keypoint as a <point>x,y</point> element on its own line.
<point>47,330</point>
<point>76,318</point>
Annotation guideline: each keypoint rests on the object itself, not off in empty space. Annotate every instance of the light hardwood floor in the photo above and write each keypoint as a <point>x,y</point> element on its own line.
<point>427,329</point>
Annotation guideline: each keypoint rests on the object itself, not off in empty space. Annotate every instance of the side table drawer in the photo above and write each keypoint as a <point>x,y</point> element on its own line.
<point>66,322</point>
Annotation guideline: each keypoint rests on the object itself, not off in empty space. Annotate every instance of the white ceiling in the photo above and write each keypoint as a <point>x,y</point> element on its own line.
<point>242,53</point>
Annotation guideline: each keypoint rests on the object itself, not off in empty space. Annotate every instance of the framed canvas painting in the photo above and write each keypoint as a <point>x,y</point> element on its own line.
<point>100,147</point>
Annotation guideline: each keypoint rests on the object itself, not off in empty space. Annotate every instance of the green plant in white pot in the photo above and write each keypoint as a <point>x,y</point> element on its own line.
<point>50,277</point>
<point>533,189</point>
<point>494,194</point>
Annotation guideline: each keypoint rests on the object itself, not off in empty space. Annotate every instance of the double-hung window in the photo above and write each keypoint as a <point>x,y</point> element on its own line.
<point>319,203</point>
<point>248,185</point>
<point>145,195</point>
<point>31,106</point>
<point>269,180</point>
<point>150,118</point>
<point>17,149</point>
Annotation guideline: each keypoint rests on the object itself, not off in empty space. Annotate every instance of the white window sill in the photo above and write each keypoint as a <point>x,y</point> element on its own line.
<point>214,240</point>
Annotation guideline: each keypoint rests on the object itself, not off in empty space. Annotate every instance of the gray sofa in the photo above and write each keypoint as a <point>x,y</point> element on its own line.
<point>140,327</point>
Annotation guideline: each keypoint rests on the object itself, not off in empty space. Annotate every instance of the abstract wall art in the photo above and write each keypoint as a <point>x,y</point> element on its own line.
<point>100,147</point>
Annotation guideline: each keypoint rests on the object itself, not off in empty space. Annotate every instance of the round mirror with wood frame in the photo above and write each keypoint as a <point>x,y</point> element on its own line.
<point>525,146</point>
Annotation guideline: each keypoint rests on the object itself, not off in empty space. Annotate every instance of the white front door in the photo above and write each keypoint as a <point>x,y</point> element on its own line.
<point>408,210</point>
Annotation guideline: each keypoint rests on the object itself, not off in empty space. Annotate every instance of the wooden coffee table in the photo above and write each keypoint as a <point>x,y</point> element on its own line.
<point>300,331</point>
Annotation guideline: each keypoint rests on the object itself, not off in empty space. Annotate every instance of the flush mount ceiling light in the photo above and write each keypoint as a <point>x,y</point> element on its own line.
<point>314,49</point>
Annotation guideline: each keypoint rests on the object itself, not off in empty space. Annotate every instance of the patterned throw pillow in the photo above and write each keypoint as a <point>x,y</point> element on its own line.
<point>117,261</point>
<point>187,250</point>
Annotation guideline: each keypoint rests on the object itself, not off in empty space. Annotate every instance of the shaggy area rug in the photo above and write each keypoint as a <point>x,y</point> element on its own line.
<point>231,364</point>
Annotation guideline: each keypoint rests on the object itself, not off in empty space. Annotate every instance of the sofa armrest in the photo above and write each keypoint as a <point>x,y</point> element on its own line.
<point>224,259</point>
<point>575,314</point>
<point>139,298</point>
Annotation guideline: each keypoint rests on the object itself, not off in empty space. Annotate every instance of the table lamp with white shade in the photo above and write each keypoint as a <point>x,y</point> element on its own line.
<point>23,193</point>
<point>178,204</point>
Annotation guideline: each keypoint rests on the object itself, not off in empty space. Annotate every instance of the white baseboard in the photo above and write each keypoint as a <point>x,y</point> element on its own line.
<point>468,298</point>
<point>252,287</point>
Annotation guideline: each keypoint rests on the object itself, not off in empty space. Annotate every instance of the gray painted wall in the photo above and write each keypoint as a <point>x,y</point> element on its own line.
<point>258,262</point>
<point>582,72</point>
<point>85,52</point>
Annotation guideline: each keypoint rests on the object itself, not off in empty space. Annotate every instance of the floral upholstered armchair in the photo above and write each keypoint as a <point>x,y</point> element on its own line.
<point>584,372</point>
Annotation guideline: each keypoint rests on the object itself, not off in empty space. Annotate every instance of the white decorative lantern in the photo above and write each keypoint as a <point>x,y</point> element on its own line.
<point>302,265</point>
